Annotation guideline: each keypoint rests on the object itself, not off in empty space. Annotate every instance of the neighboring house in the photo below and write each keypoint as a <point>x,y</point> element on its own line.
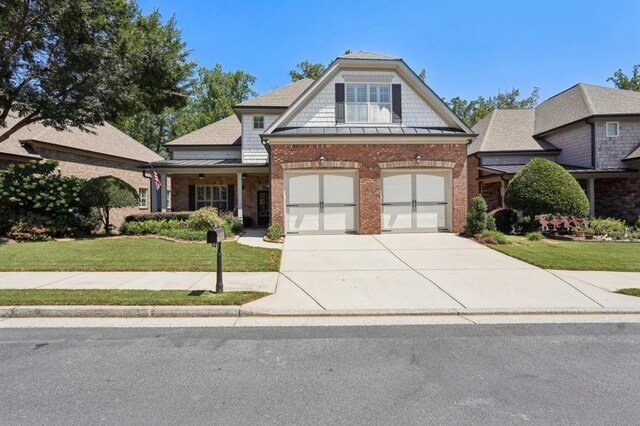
<point>104,151</point>
<point>366,148</point>
<point>592,131</point>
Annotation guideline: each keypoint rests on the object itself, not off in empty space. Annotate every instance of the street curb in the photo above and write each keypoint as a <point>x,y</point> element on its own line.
<point>238,311</point>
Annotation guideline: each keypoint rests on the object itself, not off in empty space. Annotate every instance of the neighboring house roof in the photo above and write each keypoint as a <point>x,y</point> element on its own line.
<point>368,55</point>
<point>105,139</point>
<point>583,101</point>
<point>508,130</point>
<point>509,169</point>
<point>635,154</point>
<point>224,132</point>
<point>279,98</point>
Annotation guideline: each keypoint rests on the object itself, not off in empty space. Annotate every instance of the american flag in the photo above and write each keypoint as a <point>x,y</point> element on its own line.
<point>157,181</point>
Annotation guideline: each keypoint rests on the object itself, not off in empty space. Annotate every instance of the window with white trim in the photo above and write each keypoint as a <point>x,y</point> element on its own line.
<point>143,197</point>
<point>368,103</point>
<point>613,129</point>
<point>211,196</point>
<point>258,121</point>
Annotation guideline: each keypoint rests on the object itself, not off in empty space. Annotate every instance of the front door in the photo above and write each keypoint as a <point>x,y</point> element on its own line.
<point>263,208</point>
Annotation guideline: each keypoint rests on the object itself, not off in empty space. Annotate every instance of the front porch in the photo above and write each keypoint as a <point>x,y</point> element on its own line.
<point>242,190</point>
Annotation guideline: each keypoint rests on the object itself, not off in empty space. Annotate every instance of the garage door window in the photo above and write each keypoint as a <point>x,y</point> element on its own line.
<point>211,196</point>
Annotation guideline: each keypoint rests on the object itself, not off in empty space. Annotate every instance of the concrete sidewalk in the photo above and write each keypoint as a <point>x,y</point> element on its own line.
<point>233,281</point>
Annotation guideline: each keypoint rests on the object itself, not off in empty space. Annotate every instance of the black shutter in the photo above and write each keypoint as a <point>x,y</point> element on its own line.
<point>192,198</point>
<point>396,100</point>
<point>231,198</point>
<point>339,102</point>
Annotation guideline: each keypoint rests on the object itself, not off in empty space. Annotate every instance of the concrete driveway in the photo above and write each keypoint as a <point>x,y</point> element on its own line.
<point>419,271</point>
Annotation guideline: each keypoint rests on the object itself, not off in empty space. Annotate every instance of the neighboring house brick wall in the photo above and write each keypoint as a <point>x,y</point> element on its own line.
<point>575,143</point>
<point>490,191</point>
<point>252,149</point>
<point>87,167</point>
<point>320,111</point>
<point>369,157</point>
<point>618,197</point>
<point>611,151</point>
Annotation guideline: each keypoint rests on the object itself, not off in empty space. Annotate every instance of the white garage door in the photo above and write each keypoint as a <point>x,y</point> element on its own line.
<point>416,201</point>
<point>320,203</point>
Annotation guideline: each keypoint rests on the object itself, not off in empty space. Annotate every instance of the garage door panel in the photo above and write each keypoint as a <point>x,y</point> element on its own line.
<point>303,219</point>
<point>303,189</point>
<point>431,217</point>
<point>339,218</point>
<point>430,187</point>
<point>397,217</point>
<point>339,188</point>
<point>396,188</point>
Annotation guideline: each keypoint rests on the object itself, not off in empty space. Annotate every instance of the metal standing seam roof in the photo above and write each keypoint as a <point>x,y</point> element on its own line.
<point>515,168</point>
<point>200,163</point>
<point>367,130</point>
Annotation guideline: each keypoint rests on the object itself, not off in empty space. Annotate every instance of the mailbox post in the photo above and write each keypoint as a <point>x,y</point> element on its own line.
<point>215,237</point>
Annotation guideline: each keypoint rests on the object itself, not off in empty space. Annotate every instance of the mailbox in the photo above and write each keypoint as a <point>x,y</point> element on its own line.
<point>215,236</point>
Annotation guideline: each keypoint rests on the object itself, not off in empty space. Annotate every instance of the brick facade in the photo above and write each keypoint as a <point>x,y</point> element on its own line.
<point>490,191</point>
<point>618,197</point>
<point>368,158</point>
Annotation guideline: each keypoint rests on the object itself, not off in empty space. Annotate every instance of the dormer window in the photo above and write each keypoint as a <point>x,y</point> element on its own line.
<point>613,129</point>
<point>368,103</point>
<point>258,121</point>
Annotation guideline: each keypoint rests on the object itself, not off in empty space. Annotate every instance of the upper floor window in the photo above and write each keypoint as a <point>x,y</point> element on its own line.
<point>143,197</point>
<point>258,121</point>
<point>613,129</point>
<point>368,103</point>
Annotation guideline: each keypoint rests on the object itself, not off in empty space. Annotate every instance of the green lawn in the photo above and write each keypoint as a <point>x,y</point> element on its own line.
<point>630,291</point>
<point>133,254</point>
<point>575,255</point>
<point>124,297</point>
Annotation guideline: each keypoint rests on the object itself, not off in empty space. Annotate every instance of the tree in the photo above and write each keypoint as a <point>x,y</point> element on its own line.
<point>622,81</point>
<point>108,192</point>
<point>307,70</point>
<point>478,220</point>
<point>544,187</point>
<point>78,63</point>
<point>475,110</point>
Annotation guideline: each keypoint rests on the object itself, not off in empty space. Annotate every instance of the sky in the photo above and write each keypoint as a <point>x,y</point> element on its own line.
<point>468,48</point>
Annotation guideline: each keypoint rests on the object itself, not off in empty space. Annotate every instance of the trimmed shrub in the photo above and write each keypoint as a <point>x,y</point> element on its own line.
<point>150,227</point>
<point>232,224</point>
<point>506,220</point>
<point>184,234</point>
<point>143,217</point>
<point>477,219</point>
<point>274,232</point>
<point>108,192</point>
<point>493,237</point>
<point>205,219</point>
<point>534,236</point>
<point>544,187</point>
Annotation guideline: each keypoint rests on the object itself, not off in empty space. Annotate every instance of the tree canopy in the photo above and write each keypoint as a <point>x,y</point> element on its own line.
<point>476,109</point>
<point>108,192</point>
<point>622,81</point>
<point>307,70</point>
<point>544,187</point>
<point>78,63</point>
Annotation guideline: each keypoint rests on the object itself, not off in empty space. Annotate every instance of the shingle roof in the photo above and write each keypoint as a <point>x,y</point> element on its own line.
<point>582,101</point>
<point>368,55</point>
<point>507,130</point>
<point>635,154</point>
<point>104,139</point>
<point>282,97</point>
<point>224,132</point>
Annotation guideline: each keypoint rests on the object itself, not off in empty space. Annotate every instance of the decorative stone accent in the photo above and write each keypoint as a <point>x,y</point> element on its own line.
<point>417,163</point>
<point>319,165</point>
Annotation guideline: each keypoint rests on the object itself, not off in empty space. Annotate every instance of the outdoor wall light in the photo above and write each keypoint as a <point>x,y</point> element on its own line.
<point>201,176</point>
<point>321,159</point>
<point>418,157</point>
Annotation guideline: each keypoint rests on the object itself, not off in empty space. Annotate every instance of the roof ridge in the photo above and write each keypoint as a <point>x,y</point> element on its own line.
<point>492,115</point>
<point>586,98</point>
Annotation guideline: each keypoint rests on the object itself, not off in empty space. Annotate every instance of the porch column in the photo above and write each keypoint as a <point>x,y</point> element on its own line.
<point>163,192</point>
<point>239,189</point>
<point>591,194</point>
<point>503,189</point>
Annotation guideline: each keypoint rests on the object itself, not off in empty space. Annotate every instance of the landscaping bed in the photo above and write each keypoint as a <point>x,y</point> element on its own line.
<point>125,297</point>
<point>134,254</point>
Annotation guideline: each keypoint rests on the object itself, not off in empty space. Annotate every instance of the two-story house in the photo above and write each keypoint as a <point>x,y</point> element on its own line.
<point>368,147</point>
<point>592,131</point>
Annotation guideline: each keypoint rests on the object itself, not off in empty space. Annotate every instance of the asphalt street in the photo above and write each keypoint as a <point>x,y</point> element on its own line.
<point>448,374</point>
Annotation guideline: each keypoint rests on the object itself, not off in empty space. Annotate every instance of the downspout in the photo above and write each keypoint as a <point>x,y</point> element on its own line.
<point>267,146</point>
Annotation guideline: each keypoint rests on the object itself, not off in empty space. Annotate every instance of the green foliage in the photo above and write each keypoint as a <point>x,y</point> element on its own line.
<point>494,237</point>
<point>307,70</point>
<point>81,62</point>
<point>544,187</point>
<point>143,217</point>
<point>274,232</point>
<point>184,234</point>
<point>638,222</point>
<point>232,224</point>
<point>612,227</point>
<point>534,236</point>
<point>477,219</point>
<point>150,226</point>
<point>108,192</point>
<point>622,81</point>
<point>635,235</point>
<point>506,220</point>
<point>37,203</point>
<point>204,219</point>
<point>475,110</point>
